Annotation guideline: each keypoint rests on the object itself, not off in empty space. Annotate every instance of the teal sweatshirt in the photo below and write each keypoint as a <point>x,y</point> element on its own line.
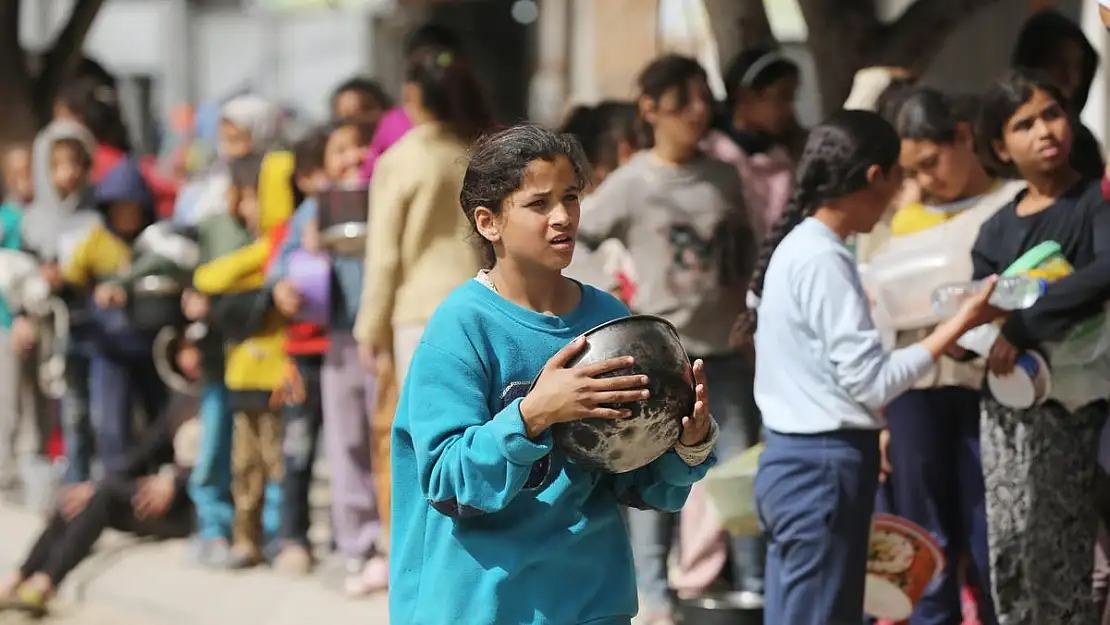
<point>11,216</point>
<point>488,526</point>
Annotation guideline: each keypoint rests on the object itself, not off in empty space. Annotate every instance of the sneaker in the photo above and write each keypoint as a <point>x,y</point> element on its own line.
<point>216,554</point>
<point>293,560</point>
<point>373,577</point>
<point>243,557</point>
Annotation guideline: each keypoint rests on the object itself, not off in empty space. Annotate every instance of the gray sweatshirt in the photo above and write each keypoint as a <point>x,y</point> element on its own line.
<point>687,231</point>
<point>51,221</point>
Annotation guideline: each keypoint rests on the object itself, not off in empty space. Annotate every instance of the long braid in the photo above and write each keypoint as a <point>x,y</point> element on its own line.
<point>835,161</point>
<point>797,209</point>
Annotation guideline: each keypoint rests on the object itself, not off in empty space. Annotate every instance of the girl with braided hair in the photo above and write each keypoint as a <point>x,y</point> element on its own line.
<point>822,375</point>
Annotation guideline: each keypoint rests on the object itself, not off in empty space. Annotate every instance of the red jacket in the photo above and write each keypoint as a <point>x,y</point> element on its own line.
<point>301,339</point>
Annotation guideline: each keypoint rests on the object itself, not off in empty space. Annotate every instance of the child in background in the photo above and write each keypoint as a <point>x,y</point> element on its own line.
<point>256,360</point>
<point>478,489</point>
<point>347,389</point>
<point>246,124</point>
<point>122,366</point>
<point>1040,463</point>
<point>681,215</point>
<point>306,345</point>
<point>362,100</point>
<point>822,376</point>
<point>22,404</point>
<point>62,214</point>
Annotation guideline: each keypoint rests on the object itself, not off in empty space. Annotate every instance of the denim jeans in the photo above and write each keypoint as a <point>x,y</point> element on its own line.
<point>732,404</point>
<point>77,428</point>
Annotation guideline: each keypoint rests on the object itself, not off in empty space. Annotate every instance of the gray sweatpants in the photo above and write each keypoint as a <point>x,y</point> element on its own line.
<point>25,417</point>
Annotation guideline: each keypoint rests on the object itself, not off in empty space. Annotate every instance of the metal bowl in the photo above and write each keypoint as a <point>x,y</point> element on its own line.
<point>155,302</point>
<point>346,239</point>
<point>621,445</point>
<point>726,608</point>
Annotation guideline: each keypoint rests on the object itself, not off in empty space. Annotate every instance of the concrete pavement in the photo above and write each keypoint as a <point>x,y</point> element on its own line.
<point>129,582</point>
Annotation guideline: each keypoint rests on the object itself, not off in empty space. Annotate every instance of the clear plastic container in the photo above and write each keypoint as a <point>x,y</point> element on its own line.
<point>1011,293</point>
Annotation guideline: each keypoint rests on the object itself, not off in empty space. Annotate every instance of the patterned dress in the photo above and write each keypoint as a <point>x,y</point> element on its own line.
<point>1039,468</point>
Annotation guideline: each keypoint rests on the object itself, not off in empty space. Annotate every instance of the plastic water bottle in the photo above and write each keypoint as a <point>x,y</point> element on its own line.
<point>1010,293</point>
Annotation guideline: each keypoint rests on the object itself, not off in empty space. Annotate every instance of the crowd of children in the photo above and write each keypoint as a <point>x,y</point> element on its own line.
<point>708,214</point>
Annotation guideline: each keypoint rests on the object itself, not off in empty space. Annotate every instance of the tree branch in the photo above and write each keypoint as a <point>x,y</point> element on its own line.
<point>65,52</point>
<point>913,39</point>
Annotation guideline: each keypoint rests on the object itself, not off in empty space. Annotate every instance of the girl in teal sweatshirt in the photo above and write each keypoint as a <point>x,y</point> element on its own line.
<point>492,525</point>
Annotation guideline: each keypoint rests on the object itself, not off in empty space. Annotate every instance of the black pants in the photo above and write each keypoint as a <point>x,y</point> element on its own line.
<point>302,430</point>
<point>64,544</point>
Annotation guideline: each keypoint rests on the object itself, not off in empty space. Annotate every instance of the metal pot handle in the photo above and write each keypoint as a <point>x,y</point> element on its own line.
<point>165,369</point>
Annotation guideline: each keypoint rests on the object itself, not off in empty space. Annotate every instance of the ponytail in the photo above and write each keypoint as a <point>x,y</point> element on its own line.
<point>834,163</point>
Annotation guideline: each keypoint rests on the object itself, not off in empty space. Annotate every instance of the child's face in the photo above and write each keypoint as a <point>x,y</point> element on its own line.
<point>235,142</point>
<point>1065,66</point>
<point>126,218</point>
<point>248,208</point>
<point>539,221</point>
<point>17,175</point>
<point>681,115</point>
<point>941,170</point>
<point>358,106</point>
<point>1037,138</point>
<point>771,109</point>
<point>344,154</point>
<point>67,169</point>
<point>312,184</point>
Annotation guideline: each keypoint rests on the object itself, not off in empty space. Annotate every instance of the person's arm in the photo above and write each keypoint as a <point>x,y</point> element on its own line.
<point>280,267</point>
<point>79,271</point>
<point>983,261</point>
<point>470,462</point>
<point>832,302</point>
<point>664,484</point>
<point>1070,299</point>
<point>605,212</point>
<point>224,274</point>
<point>390,196</point>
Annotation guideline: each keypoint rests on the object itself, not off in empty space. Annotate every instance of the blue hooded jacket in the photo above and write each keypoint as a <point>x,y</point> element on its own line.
<point>123,183</point>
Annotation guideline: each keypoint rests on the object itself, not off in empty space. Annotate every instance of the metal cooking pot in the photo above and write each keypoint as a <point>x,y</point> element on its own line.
<point>622,445</point>
<point>343,212</point>
<point>718,609</point>
<point>155,302</point>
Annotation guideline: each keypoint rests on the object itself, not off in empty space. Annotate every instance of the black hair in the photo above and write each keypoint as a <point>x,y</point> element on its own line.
<point>79,148</point>
<point>999,104</point>
<point>616,125</point>
<point>308,152</point>
<point>931,115</point>
<point>583,124</point>
<point>893,96</point>
<point>664,73</point>
<point>365,87</point>
<point>450,90</point>
<point>246,171</point>
<point>433,35</point>
<point>365,131</point>
<point>756,69</point>
<point>97,106</point>
<point>834,163</point>
<point>498,163</point>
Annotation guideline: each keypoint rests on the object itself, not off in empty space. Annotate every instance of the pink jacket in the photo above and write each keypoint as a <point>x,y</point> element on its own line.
<point>392,126</point>
<point>767,178</point>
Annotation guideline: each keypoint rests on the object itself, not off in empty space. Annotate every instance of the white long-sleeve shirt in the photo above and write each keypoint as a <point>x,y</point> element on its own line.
<point>820,363</point>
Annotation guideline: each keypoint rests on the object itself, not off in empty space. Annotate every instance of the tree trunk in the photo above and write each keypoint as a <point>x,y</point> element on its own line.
<point>846,36</point>
<point>738,24</point>
<point>28,99</point>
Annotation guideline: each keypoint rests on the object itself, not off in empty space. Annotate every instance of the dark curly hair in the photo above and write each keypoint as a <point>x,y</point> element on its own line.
<point>498,163</point>
<point>834,163</point>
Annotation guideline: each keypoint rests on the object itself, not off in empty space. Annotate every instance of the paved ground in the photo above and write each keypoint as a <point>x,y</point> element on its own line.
<point>133,583</point>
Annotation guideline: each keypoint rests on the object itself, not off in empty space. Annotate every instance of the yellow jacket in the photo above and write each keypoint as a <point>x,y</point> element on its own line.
<point>99,256</point>
<point>258,363</point>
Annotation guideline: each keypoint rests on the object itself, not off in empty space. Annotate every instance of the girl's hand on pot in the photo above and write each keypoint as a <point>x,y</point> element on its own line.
<point>696,426</point>
<point>563,394</point>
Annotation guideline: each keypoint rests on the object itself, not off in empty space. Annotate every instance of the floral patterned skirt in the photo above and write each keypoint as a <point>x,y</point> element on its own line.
<point>1039,470</point>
